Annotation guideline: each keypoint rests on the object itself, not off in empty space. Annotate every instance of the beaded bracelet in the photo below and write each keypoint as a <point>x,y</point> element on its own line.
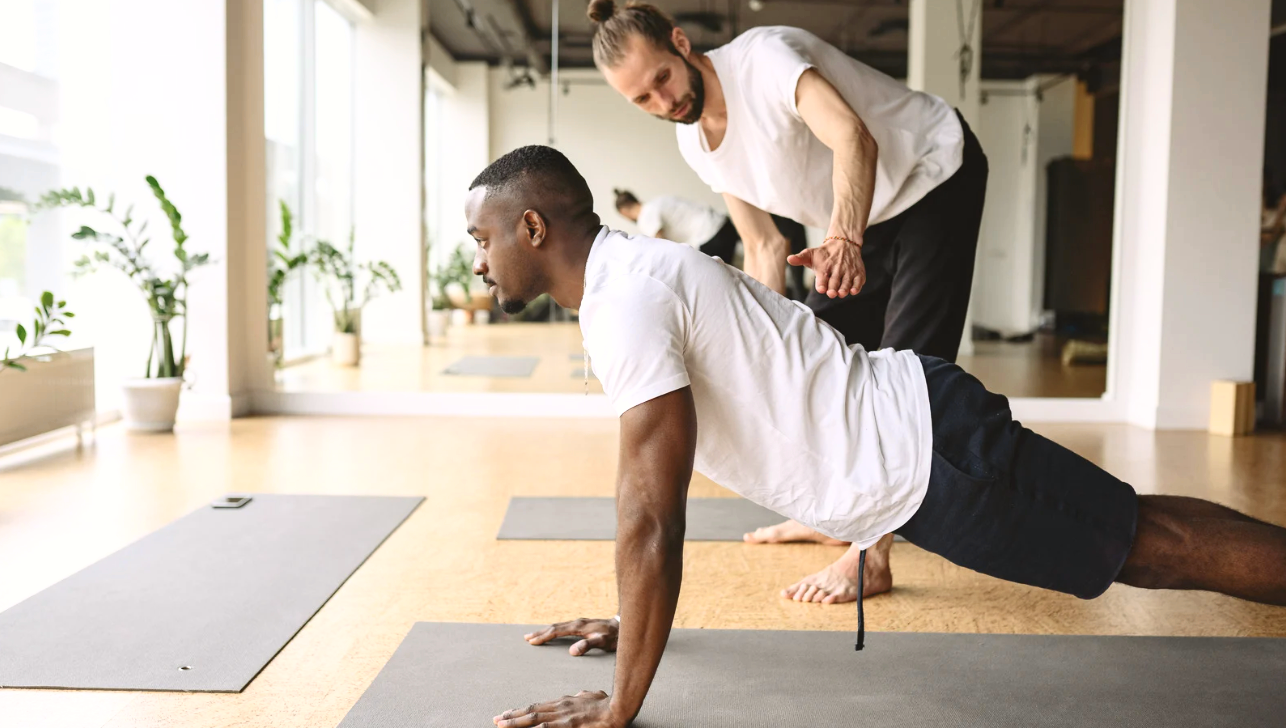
<point>841,238</point>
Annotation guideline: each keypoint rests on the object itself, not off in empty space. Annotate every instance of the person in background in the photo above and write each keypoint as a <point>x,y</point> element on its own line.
<point>702,227</point>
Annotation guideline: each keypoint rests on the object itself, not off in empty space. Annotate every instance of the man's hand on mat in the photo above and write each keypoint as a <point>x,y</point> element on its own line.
<point>600,633</point>
<point>585,709</point>
<point>838,266</point>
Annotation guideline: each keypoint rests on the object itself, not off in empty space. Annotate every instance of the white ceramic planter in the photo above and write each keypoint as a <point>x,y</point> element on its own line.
<point>346,350</point>
<point>438,321</point>
<point>151,404</point>
<point>459,317</point>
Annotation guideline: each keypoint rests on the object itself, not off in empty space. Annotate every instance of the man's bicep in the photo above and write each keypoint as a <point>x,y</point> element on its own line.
<point>826,113</point>
<point>658,446</point>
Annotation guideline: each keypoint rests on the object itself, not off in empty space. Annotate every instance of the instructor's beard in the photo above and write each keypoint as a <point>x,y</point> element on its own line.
<point>696,96</point>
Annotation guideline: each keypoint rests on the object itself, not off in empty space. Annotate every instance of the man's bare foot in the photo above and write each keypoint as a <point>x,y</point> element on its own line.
<point>788,532</point>
<point>837,583</point>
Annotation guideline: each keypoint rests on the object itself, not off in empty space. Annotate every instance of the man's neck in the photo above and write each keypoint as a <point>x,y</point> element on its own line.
<point>714,112</point>
<point>569,278</point>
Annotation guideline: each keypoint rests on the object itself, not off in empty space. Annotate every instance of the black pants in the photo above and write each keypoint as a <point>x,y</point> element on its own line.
<point>919,268</point>
<point>724,246</point>
<point>1011,504</point>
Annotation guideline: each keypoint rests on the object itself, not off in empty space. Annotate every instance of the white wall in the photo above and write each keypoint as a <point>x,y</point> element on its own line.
<point>462,150</point>
<point>612,143</point>
<point>1020,135</point>
<point>1189,173</point>
<point>387,163</point>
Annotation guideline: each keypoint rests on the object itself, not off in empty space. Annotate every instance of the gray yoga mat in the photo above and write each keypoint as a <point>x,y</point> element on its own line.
<point>594,519</point>
<point>218,592</point>
<point>463,674</point>
<point>494,366</point>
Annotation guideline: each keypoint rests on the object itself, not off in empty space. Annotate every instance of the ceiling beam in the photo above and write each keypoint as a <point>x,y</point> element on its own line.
<point>1094,38</point>
<point>1018,18</point>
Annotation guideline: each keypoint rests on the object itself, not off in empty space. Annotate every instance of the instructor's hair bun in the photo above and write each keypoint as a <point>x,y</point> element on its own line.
<point>600,10</point>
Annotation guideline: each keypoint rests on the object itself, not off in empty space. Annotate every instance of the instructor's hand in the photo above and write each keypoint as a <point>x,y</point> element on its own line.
<point>838,266</point>
<point>583,710</point>
<point>600,633</point>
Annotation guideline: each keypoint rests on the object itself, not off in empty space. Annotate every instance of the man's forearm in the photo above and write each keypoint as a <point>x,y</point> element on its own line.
<point>649,571</point>
<point>854,183</point>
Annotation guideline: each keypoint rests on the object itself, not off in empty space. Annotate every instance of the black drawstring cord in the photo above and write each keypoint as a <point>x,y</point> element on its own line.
<point>861,618</point>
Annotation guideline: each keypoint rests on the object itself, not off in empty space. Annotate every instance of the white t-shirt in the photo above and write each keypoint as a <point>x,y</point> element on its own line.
<point>771,159</point>
<point>683,221</point>
<point>788,415</point>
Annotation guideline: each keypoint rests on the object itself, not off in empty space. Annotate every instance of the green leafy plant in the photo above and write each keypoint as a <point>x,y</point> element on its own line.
<point>166,296</point>
<point>350,285</point>
<point>458,269</point>
<point>50,320</point>
<point>281,262</point>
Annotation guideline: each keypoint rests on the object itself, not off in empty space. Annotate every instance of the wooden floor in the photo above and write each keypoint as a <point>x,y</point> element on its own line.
<point>1032,369</point>
<point>1029,369</point>
<point>410,368</point>
<point>61,510</point>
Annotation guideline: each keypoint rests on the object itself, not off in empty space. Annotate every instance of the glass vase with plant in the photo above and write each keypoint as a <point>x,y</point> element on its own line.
<point>166,295</point>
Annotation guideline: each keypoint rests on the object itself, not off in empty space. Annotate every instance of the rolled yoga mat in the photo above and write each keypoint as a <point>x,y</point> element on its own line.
<point>519,367</point>
<point>594,519</point>
<point>463,674</point>
<point>202,604</point>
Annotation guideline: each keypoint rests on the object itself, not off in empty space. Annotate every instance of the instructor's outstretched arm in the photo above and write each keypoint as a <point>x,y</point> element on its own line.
<point>658,443</point>
<point>838,262</point>
<point>766,248</point>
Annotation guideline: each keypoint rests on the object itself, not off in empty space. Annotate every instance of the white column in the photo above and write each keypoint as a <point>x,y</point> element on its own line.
<point>938,30</point>
<point>933,51</point>
<point>387,107</point>
<point>1187,212</point>
<point>247,254</point>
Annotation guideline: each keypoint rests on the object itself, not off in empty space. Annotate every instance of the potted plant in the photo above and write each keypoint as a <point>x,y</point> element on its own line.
<point>151,401</point>
<point>49,321</point>
<point>457,281</point>
<point>349,287</point>
<point>280,264</point>
<point>438,313</point>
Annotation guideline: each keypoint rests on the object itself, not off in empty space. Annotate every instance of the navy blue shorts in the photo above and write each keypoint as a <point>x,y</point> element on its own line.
<point>1011,504</point>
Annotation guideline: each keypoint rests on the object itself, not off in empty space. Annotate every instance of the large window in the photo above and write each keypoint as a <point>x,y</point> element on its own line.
<point>30,255</point>
<point>308,123</point>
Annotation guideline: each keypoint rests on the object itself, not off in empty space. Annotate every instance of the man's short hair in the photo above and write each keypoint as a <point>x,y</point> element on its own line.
<point>539,171</point>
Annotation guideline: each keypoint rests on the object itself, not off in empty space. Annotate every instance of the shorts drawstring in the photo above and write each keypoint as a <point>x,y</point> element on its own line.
<point>861,618</point>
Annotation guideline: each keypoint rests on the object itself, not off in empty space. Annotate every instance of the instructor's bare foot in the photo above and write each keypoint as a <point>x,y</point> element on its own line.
<point>837,583</point>
<point>788,532</point>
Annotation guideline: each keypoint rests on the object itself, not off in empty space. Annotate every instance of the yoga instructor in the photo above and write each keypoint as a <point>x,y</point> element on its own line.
<point>782,123</point>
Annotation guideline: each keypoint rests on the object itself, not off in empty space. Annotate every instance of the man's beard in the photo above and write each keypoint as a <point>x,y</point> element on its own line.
<point>696,98</point>
<point>513,306</point>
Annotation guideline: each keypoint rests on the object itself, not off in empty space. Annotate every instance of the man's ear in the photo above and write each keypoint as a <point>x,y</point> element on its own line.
<point>680,41</point>
<point>534,224</point>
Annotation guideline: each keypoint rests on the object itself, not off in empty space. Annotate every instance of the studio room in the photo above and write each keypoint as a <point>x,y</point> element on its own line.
<point>671,363</point>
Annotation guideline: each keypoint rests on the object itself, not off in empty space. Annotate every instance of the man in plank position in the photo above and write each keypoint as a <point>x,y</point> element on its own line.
<point>708,367</point>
